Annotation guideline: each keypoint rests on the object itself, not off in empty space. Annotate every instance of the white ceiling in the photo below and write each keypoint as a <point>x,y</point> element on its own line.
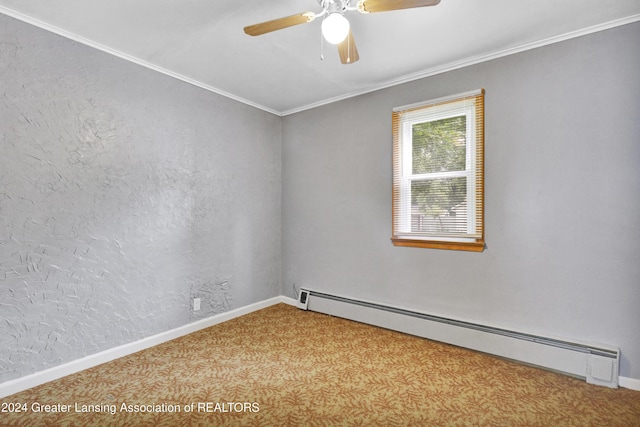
<point>202,41</point>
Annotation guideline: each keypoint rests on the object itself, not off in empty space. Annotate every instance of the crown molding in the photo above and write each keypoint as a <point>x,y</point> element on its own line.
<point>389,83</point>
<point>469,61</point>
<point>88,42</point>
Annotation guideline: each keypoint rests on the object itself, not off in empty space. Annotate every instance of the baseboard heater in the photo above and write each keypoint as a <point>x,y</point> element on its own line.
<point>598,364</point>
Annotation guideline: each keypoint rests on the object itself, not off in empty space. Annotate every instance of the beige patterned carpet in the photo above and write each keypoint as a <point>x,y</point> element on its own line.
<point>281,366</point>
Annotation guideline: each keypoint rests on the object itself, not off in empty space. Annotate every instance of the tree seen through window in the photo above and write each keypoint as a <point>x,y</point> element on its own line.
<point>438,202</point>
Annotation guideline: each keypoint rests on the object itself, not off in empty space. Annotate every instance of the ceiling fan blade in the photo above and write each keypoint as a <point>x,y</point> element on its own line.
<point>348,50</point>
<point>371,6</point>
<point>280,23</point>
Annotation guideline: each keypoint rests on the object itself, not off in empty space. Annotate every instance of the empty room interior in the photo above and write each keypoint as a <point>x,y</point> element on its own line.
<point>165,175</point>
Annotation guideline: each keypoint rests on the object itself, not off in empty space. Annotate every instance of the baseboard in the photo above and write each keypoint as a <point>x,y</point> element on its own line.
<point>290,301</point>
<point>631,383</point>
<point>20,384</point>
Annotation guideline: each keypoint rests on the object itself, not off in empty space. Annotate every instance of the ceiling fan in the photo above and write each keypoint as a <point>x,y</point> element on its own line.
<point>335,27</point>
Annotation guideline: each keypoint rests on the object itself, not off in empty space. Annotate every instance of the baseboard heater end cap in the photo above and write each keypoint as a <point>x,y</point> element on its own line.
<point>303,299</point>
<point>603,370</point>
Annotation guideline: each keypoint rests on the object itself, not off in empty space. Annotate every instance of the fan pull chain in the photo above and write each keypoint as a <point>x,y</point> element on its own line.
<point>321,47</point>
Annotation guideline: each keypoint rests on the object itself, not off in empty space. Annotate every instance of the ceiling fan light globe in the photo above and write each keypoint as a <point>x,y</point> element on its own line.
<point>335,28</point>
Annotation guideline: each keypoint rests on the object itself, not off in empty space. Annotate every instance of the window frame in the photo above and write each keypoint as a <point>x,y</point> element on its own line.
<point>471,105</point>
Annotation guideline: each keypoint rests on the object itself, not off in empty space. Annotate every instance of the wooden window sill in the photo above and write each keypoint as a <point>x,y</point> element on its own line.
<point>455,246</point>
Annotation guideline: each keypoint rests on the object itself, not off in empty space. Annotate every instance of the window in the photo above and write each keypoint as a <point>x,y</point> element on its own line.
<point>438,174</point>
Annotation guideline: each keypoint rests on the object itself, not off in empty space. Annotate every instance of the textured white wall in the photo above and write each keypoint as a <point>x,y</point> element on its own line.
<point>123,194</point>
<point>562,197</point>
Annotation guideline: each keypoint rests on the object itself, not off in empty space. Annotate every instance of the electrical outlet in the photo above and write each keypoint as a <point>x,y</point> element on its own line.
<point>196,304</point>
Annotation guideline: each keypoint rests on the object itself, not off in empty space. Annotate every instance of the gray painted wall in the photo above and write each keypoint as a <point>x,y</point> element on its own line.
<point>562,197</point>
<point>123,193</point>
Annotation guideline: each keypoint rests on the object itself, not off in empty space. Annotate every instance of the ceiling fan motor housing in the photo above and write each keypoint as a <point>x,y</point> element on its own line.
<point>331,6</point>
